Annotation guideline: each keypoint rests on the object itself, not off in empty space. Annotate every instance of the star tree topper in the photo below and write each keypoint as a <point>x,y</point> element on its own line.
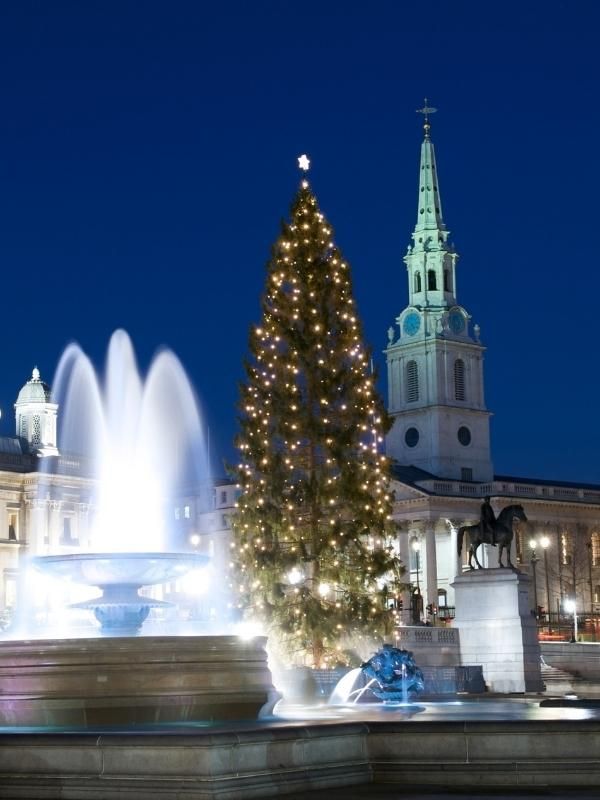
<point>304,162</point>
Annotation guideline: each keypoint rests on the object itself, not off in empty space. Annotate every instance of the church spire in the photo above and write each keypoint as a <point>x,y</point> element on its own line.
<point>435,365</point>
<point>430,259</point>
<point>429,215</point>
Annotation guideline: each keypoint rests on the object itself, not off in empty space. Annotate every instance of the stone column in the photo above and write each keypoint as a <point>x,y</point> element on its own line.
<point>431,591</point>
<point>54,531</point>
<point>83,525</point>
<point>37,526</point>
<point>559,557</point>
<point>455,561</point>
<point>404,552</point>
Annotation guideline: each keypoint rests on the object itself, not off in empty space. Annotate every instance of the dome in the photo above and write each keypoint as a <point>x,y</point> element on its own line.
<point>35,390</point>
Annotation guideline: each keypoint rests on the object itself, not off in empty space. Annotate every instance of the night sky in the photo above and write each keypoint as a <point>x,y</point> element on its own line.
<point>148,151</point>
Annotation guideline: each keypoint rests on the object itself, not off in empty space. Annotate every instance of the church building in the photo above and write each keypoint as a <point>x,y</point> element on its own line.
<point>440,440</point>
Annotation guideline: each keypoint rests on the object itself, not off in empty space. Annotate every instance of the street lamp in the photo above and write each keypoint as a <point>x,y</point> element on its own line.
<point>416,598</point>
<point>545,543</point>
<point>571,607</point>
<point>534,560</point>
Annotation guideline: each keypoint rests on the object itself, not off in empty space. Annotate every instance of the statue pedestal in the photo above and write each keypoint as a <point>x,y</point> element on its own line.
<point>497,629</point>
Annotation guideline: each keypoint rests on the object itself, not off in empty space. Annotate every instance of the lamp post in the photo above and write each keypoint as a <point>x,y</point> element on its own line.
<point>571,607</point>
<point>534,560</point>
<point>545,543</point>
<point>590,557</point>
<point>416,546</point>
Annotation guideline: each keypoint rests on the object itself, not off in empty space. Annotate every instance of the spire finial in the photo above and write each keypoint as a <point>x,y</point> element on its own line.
<point>426,111</point>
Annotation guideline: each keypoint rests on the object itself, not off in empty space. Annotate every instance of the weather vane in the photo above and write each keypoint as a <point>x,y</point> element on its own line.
<point>426,111</point>
<point>304,162</point>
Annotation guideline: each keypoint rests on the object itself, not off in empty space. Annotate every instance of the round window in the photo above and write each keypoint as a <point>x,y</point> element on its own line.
<point>464,436</point>
<point>411,437</point>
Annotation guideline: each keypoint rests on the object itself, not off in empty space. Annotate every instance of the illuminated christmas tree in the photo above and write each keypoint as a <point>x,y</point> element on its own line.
<point>313,532</point>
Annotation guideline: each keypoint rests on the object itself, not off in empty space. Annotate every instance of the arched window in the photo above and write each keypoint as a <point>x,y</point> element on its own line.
<point>417,281</point>
<point>446,280</point>
<point>431,281</point>
<point>459,379</point>
<point>412,382</point>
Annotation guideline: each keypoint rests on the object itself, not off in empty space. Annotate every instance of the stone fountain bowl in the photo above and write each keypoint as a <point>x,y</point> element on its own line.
<point>120,610</point>
<point>111,569</point>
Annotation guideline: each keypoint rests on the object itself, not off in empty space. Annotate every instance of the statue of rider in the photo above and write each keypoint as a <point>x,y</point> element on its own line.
<point>488,520</point>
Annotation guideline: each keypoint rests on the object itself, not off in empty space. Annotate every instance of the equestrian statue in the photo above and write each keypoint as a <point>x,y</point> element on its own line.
<point>491,530</point>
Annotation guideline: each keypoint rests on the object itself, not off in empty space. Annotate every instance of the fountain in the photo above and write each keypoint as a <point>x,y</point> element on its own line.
<point>390,675</point>
<point>144,439</point>
<point>120,609</point>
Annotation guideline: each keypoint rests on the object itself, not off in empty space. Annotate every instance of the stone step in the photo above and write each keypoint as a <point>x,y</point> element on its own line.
<point>556,674</point>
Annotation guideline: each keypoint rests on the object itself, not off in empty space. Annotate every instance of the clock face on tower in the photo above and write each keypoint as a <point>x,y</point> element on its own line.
<point>456,321</point>
<point>412,323</point>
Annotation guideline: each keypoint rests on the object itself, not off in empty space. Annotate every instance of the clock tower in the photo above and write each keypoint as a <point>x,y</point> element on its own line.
<point>434,358</point>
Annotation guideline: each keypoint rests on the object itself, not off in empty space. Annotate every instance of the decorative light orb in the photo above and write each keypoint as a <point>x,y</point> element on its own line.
<point>533,543</point>
<point>416,544</point>
<point>294,576</point>
<point>571,606</point>
<point>324,589</point>
<point>194,540</point>
<point>545,542</point>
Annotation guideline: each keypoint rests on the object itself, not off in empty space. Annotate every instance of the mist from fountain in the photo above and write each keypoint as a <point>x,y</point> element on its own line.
<point>145,438</point>
<point>142,441</point>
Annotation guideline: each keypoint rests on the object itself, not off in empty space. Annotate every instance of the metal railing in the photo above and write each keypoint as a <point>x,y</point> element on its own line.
<point>559,626</point>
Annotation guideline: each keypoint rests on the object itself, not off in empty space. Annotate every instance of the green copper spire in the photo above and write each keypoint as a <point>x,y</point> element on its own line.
<point>430,259</point>
<point>429,215</point>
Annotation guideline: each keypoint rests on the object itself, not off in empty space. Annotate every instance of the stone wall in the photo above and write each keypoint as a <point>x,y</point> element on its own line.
<point>273,761</point>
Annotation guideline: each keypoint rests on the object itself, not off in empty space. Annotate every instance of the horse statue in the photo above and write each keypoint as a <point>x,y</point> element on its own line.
<point>503,534</point>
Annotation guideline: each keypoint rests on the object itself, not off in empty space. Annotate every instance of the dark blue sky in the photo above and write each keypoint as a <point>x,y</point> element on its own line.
<point>148,151</point>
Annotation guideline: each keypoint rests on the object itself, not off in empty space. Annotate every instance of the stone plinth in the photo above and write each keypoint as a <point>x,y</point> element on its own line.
<point>497,629</point>
<point>132,680</point>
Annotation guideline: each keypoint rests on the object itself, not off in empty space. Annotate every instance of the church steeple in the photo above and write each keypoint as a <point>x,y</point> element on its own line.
<point>429,217</point>
<point>435,366</point>
<point>430,260</point>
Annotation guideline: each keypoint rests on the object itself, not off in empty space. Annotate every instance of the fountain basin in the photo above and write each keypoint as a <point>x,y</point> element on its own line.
<point>120,609</point>
<point>132,681</point>
<point>132,569</point>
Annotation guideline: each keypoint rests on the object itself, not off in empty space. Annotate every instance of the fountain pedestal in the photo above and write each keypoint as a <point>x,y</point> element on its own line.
<point>132,680</point>
<point>497,629</point>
